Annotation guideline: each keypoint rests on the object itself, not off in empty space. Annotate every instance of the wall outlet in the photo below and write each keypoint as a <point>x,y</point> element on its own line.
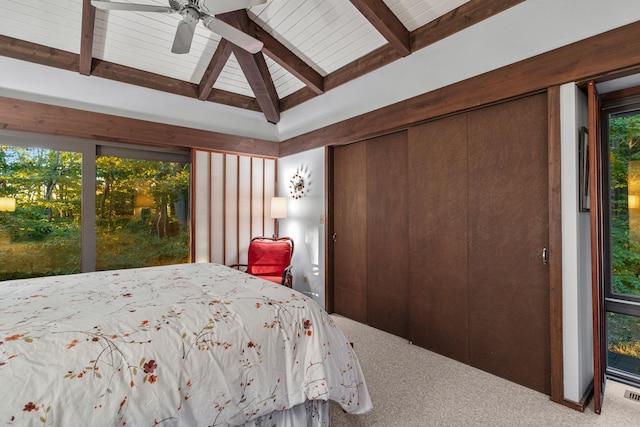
<point>322,219</point>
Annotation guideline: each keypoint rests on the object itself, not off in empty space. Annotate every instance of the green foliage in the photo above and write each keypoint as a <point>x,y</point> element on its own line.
<point>43,235</point>
<point>625,149</point>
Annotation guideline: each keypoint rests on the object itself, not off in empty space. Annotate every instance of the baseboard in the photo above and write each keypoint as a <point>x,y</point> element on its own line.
<point>584,401</point>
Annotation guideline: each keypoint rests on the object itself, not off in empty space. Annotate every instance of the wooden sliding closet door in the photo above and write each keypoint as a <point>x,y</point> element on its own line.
<point>508,231</point>
<point>350,228</point>
<point>387,233</point>
<point>438,295</point>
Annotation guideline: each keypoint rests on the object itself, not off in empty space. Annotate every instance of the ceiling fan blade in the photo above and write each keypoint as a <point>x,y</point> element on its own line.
<point>184,32</point>
<point>108,5</point>
<point>216,7</point>
<point>232,34</point>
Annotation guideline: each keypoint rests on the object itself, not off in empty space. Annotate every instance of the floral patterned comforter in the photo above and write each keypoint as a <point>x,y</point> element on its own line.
<point>189,345</point>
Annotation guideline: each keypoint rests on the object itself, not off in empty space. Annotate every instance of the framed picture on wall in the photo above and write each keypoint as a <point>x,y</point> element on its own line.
<point>583,170</point>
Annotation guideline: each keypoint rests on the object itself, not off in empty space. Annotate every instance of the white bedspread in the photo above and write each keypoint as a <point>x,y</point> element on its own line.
<point>187,345</point>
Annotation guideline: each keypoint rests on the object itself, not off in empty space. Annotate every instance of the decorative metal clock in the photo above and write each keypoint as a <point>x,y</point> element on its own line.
<point>296,186</point>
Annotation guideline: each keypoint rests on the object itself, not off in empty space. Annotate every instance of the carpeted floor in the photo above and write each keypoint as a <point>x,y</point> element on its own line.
<point>411,386</point>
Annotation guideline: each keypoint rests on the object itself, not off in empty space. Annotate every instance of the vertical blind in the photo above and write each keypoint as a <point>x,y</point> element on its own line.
<point>231,204</point>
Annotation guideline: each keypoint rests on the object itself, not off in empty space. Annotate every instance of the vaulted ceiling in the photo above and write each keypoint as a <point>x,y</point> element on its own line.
<point>310,46</point>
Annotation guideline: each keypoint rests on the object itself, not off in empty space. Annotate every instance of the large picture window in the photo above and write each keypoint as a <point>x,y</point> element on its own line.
<point>40,212</point>
<point>142,211</point>
<point>68,206</point>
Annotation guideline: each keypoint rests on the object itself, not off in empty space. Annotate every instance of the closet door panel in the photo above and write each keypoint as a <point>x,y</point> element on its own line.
<point>350,228</point>
<point>387,233</point>
<point>438,295</point>
<point>508,229</point>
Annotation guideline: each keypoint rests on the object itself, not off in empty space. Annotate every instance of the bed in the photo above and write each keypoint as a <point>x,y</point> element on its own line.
<point>183,345</point>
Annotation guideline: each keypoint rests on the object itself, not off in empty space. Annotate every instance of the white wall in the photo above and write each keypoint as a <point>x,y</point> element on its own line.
<point>576,259</point>
<point>305,220</point>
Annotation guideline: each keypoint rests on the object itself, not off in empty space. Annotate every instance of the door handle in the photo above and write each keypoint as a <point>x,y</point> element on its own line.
<point>334,237</point>
<point>545,256</point>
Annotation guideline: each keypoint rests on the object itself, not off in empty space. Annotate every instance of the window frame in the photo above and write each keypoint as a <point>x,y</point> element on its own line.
<point>90,151</point>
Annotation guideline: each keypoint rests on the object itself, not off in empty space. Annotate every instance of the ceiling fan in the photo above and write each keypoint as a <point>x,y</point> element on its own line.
<point>192,11</point>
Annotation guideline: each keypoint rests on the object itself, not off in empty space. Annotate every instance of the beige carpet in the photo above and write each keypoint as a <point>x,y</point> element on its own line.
<point>411,386</point>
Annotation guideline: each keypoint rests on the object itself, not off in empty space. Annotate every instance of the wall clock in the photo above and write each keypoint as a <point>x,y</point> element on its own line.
<point>296,186</point>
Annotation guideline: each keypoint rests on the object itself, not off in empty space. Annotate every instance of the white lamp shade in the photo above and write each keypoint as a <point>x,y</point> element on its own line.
<point>7,204</point>
<point>278,207</point>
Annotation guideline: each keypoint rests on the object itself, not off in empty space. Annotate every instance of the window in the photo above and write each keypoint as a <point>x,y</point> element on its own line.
<point>623,293</point>
<point>80,206</point>
<point>40,223</point>
<point>141,213</point>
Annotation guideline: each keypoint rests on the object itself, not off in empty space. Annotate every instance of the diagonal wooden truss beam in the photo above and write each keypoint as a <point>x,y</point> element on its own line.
<point>387,24</point>
<point>211,74</point>
<point>458,19</point>
<point>255,69</point>
<point>288,60</point>
<point>51,57</point>
<point>86,38</point>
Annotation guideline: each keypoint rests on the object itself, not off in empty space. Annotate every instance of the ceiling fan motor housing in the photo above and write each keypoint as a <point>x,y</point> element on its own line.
<point>179,4</point>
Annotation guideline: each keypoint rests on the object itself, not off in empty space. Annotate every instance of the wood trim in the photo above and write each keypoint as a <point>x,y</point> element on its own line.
<point>584,401</point>
<point>47,119</point>
<point>264,205</point>
<point>238,208</point>
<point>620,95</point>
<point>276,225</point>
<point>328,238</point>
<point>224,209</point>
<point>86,37</point>
<point>596,159</point>
<point>615,49</point>
<point>251,197</point>
<point>210,234</point>
<point>192,205</point>
<point>555,246</point>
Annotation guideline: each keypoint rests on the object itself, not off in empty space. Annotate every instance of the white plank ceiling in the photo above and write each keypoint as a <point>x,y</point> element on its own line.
<point>325,34</point>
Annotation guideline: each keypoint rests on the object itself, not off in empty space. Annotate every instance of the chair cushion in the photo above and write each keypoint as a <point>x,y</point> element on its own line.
<point>268,258</point>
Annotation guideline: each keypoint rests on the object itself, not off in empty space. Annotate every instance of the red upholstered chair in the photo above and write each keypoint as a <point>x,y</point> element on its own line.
<point>270,258</point>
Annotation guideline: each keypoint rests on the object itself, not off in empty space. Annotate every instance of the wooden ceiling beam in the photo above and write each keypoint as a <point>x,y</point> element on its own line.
<point>287,59</point>
<point>38,54</point>
<point>370,62</point>
<point>457,20</point>
<point>86,38</point>
<point>211,74</point>
<point>51,57</point>
<point>462,17</point>
<point>255,69</point>
<point>387,24</point>
<point>28,116</point>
